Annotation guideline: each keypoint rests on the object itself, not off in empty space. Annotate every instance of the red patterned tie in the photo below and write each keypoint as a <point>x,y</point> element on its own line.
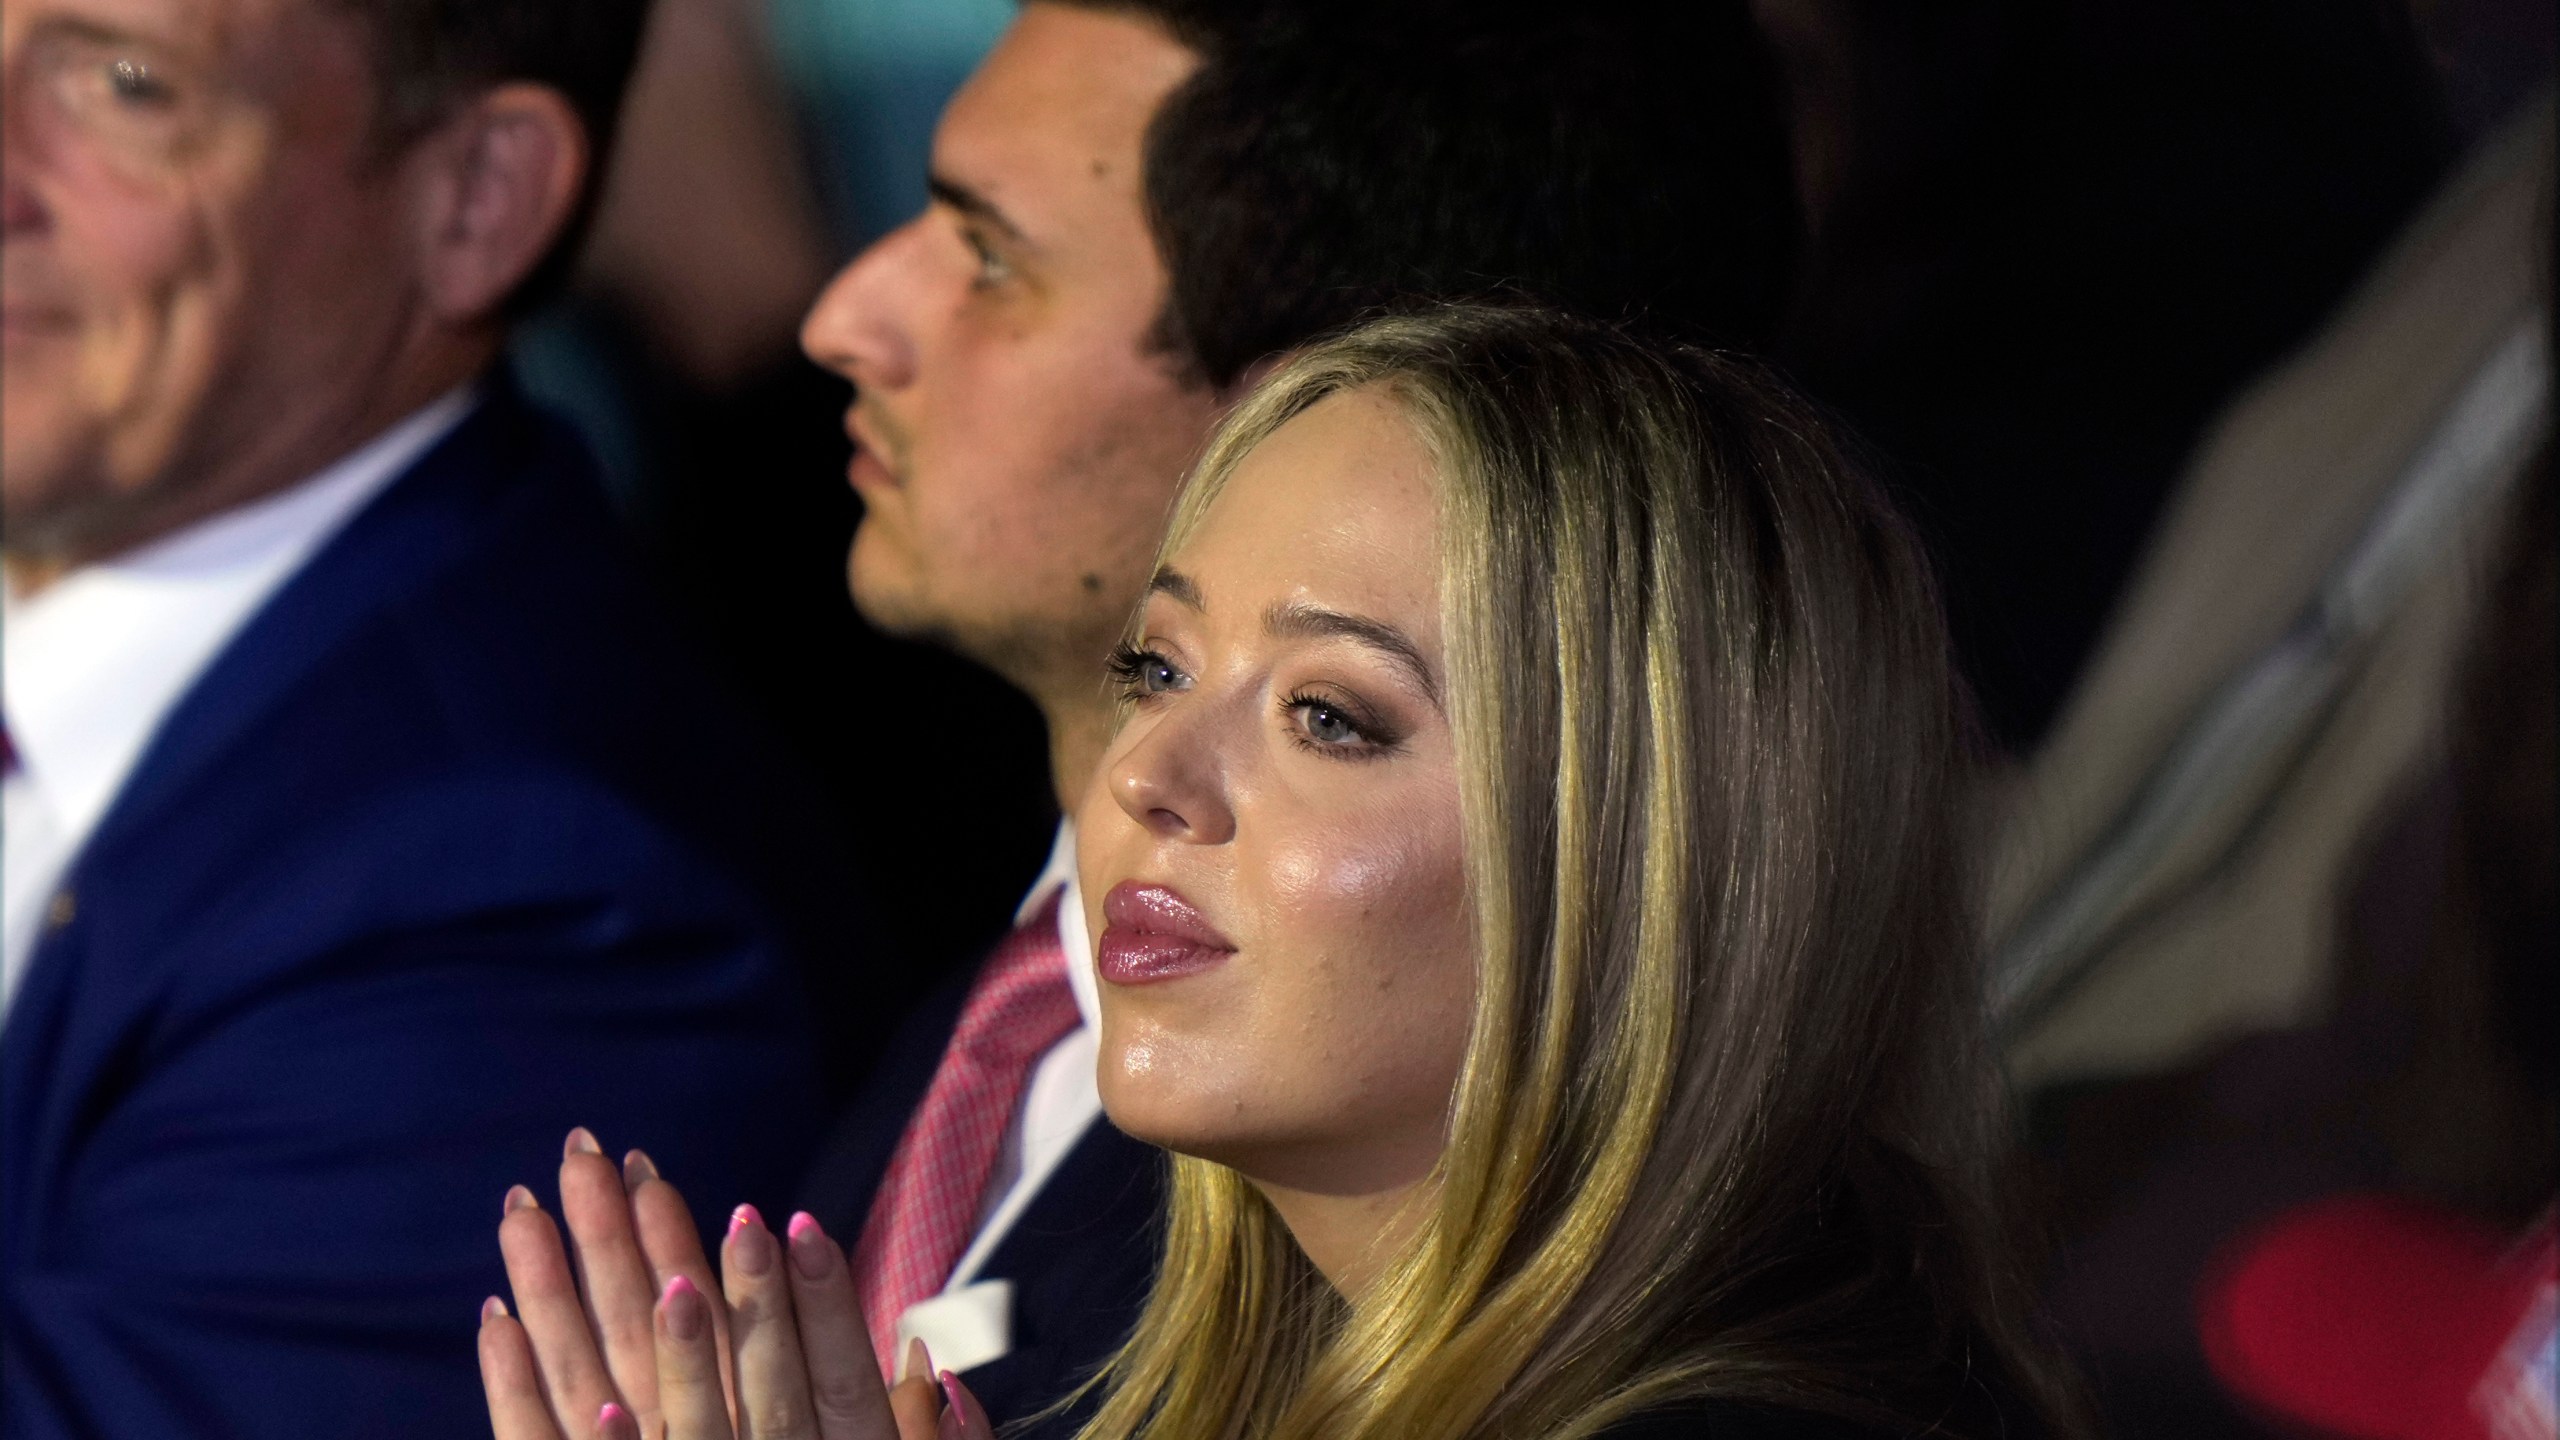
<point>927,1207</point>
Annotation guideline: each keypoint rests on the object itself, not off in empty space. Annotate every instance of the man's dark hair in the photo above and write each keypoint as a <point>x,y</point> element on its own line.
<point>1335,158</point>
<point>432,55</point>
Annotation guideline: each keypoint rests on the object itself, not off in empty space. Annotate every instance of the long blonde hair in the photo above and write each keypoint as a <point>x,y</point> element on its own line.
<point>1723,1128</point>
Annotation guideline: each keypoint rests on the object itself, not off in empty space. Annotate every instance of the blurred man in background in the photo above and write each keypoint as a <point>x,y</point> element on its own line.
<point>1138,205</point>
<point>362,830</point>
<point>763,143</point>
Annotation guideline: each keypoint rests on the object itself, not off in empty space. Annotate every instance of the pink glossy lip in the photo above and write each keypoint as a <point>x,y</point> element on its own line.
<point>1151,933</point>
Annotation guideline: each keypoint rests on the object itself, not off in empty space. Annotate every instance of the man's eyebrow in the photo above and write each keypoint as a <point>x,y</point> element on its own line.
<point>1179,586</point>
<point>972,204</point>
<point>96,32</point>
<point>1297,620</point>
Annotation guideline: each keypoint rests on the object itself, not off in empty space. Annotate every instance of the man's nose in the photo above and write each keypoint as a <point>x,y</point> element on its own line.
<point>859,328</point>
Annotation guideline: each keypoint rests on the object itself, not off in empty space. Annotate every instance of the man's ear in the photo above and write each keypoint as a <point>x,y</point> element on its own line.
<point>496,182</point>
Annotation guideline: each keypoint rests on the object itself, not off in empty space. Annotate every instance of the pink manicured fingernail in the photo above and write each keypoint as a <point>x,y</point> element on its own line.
<point>961,1413</point>
<point>580,1142</point>
<point>492,1309</point>
<point>611,1417</point>
<point>809,1247</point>
<point>750,1244</point>
<point>519,1198</point>
<point>684,1308</point>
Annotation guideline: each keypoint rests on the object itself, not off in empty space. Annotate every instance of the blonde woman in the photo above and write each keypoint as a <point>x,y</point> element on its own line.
<point>1532,912</point>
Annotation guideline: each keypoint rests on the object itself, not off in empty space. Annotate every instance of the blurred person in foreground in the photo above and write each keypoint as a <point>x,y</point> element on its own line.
<point>2213,884</point>
<point>2418,1299</point>
<point>1534,909</point>
<point>361,824</point>
<point>1138,208</point>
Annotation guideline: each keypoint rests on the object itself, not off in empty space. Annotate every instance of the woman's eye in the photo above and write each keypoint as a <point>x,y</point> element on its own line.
<point>1326,725</point>
<point>1329,728</point>
<point>1144,672</point>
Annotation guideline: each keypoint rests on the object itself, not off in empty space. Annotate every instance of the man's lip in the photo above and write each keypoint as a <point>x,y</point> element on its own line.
<point>867,448</point>
<point>1161,910</point>
<point>866,473</point>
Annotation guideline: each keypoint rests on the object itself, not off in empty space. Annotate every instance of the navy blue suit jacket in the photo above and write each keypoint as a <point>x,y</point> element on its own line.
<point>1081,1255</point>
<point>444,853</point>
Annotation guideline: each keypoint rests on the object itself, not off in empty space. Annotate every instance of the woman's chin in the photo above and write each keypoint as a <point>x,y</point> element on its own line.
<point>1167,1116</point>
<point>1195,1116</point>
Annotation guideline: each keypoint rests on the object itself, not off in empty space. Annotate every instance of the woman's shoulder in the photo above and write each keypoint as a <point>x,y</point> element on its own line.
<point>1725,1420</point>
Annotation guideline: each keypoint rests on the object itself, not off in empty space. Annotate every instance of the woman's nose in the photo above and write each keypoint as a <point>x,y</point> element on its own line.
<point>1169,780</point>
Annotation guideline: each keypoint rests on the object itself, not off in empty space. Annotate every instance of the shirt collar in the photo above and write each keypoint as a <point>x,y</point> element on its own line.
<point>1060,875</point>
<point>94,662</point>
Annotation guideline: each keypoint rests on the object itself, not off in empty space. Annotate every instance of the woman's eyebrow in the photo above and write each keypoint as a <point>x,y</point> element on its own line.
<point>1299,621</point>
<point>1178,586</point>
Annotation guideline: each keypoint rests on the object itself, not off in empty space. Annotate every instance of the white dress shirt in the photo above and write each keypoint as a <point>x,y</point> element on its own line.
<point>93,663</point>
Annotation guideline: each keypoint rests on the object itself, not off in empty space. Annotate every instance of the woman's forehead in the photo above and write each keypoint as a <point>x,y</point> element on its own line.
<point>1337,507</point>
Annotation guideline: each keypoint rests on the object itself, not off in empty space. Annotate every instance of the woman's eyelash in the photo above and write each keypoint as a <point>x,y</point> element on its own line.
<point>1139,674</point>
<point>1130,668</point>
<point>1379,740</point>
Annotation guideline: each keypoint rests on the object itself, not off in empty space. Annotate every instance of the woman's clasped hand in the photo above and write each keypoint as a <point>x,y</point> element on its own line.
<point>626,1334</point>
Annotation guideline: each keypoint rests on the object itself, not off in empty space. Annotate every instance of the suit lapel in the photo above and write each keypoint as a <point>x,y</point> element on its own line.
<point>1081,1258</point>
<point>420,523</point>
<point>52,1048</point>
<point>417,525</point>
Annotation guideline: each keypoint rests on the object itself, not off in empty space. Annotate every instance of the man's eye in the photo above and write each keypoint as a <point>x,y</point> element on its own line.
<point>992,268</point>
<point>136,82</point>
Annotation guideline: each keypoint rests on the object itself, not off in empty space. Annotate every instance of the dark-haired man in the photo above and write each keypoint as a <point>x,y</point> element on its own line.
<point>360,829</point>
<point>1137,204</point>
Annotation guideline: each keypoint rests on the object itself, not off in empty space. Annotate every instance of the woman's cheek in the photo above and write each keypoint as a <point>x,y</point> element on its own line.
<point>1345,881</point>
<point>1379,926</point>
<point>1387,884</point>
